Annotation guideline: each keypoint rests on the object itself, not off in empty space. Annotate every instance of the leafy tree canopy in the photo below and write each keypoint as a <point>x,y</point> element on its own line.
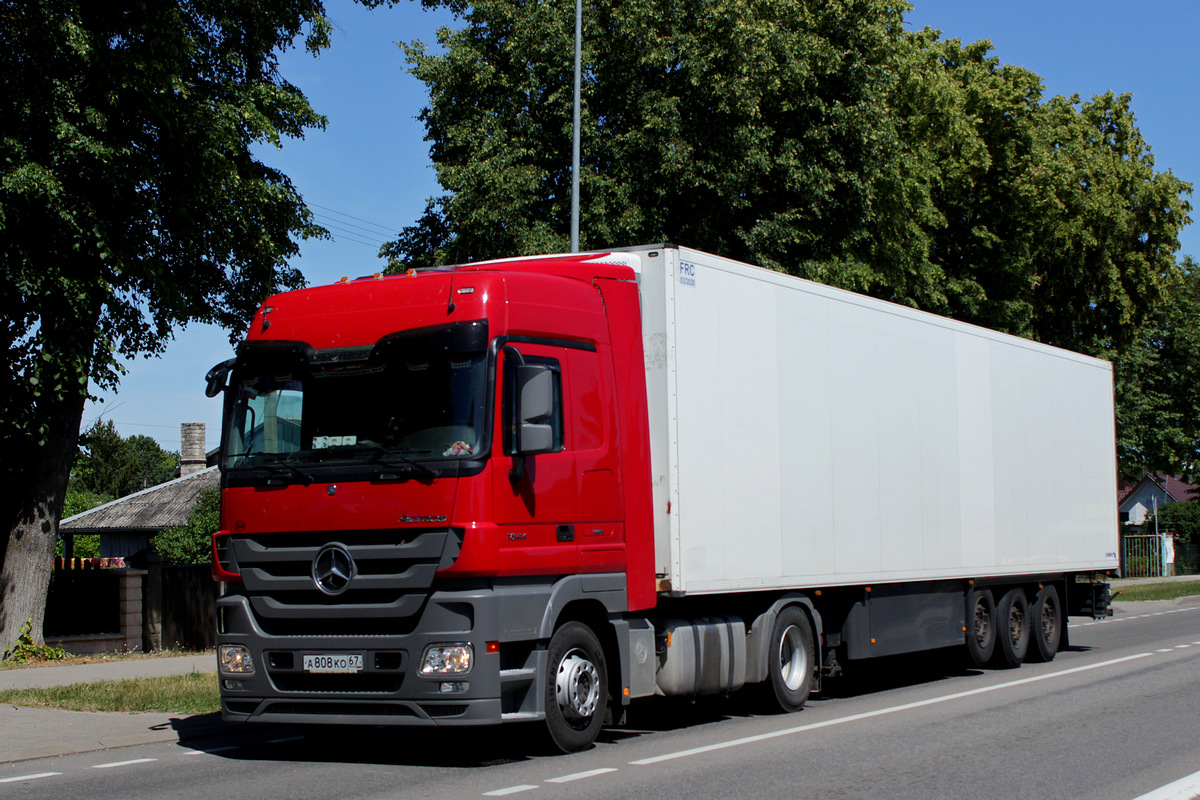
<point>1158,386</point>
<point>130,204</point>
<point>110,465</point>
<point>823,140</point>
<point>1182,518</point>
<point>191,543</point>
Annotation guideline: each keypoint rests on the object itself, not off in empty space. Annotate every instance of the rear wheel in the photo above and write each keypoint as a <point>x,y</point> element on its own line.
<point>1046,622</point>
<point>576,688</point>
<point>1012,616</point>
<point>791,660</point>
<point>981,626</point>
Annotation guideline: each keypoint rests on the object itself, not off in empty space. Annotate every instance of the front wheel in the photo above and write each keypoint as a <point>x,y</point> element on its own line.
<point>791,660</point>
<point>576,688</point>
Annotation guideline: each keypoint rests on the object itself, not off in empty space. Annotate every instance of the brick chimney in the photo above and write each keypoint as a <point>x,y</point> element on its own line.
<point>192,454</point>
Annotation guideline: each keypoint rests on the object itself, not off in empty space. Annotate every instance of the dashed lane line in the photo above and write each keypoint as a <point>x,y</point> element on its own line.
<point>525,787</point>
<point>1182,789</point>
<point>1114,620</point>
<point>578,776</point>
<point>212,750</point>
<point>34,777</point>
<point>130,763</point>
<point>879,712</point>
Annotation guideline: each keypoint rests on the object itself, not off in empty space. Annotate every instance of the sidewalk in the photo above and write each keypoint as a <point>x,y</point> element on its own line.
<point>1118,582</point>
<point>27,733</point>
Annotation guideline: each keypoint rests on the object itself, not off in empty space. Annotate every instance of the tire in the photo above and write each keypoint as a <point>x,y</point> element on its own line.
<point>981,626</point>
<point>791,660</point>
<point>1046,625</point>
<point>1012,629</point>
<point>576,690</point>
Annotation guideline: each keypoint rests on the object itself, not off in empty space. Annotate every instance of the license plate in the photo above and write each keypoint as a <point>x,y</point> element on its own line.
<point>333,662</point>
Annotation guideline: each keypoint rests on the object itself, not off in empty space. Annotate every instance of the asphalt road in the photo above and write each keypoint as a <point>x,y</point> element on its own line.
<point>1115,718</point>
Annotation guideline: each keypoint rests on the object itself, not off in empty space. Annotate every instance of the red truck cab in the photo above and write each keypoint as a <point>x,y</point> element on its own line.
<point>423,477</point>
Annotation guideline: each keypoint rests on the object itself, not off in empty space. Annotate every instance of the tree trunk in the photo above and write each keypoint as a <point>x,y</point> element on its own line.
<point>29,557</point>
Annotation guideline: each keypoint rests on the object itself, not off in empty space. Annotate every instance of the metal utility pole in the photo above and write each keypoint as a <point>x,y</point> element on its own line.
<point>575,131</point>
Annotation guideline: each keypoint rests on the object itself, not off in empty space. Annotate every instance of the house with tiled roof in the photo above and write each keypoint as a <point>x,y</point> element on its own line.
<point>1138,501</point>
<point>133,615</point>
<point>127,524</point>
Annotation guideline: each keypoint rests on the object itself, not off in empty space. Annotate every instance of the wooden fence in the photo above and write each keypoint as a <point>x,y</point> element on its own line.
<point>89,609</point>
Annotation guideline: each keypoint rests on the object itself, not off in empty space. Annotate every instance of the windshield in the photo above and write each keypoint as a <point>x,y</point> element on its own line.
<point>416,395</point>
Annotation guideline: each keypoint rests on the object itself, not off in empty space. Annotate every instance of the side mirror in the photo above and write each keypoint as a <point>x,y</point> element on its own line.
<point>216,377</point>
<point>535,406</point>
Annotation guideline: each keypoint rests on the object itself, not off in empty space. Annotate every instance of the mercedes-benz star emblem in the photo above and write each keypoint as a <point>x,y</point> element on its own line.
<point>333,569</point>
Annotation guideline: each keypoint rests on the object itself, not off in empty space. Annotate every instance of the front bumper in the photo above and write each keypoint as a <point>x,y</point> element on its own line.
<point>388,690</point>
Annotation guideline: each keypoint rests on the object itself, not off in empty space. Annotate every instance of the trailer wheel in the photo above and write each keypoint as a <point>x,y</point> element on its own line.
<point>792,659</point>
<point>981,626</point>
<point>1012,616</point>
<point>1046,624</point>
<point>576,688</point>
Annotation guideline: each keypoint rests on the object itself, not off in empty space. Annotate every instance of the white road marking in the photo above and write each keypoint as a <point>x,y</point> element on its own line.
<point>525,787</point>
<point>578,776</point>
<point>124,763</point>
<point>1111,620</point>
<point>285,740</point>
<point>878,713</point>
<point>1182,789</point>
<point>211,751</point>
<point>34,777</point>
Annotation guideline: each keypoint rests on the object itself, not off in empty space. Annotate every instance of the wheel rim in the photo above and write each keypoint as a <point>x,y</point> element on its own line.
<point>983,624</point>
<point>792,658</point>
<point>1016,622</point>
<point>577,686</point>
<point>1049,621</point>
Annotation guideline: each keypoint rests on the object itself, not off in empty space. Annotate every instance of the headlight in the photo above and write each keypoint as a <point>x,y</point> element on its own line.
<point>235,659</point>
<point>447,659</point>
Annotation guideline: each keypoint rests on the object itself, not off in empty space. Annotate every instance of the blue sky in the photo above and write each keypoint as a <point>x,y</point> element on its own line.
<point>368,174</point>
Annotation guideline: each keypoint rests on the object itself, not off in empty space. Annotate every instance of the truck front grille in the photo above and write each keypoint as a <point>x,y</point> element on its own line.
<point>392,574</point>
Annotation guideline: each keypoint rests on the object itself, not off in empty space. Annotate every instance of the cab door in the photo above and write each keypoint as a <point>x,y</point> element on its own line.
<point>535,495</point>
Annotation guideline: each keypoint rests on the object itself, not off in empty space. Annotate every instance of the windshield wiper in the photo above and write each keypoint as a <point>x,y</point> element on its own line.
<point>390,458</point>
<point>279,463</point>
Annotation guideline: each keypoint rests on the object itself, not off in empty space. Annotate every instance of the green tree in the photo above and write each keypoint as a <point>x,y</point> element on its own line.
<point>822,140</point>
<point>154,465</point>
<point>80,500</point>
<point>1183,518</point>
<point>191,543</point>
<point>105,465</point>
<point>111,465</point>
<point>1158,386</point>
<point>130,203</point>
<point>761,131</point>
<point>1051,221</point>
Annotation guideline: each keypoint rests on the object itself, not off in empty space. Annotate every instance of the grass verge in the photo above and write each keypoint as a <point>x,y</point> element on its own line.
<point>102,658</point>
<point>182,694</point>
<point>1171,590</point>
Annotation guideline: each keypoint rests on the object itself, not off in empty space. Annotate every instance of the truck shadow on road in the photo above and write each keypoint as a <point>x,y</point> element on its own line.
<point>474,748</point>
